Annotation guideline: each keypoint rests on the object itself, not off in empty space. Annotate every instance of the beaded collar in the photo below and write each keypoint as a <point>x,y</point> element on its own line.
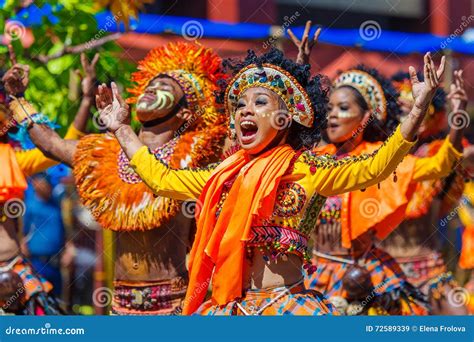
<point>276,79</point>
<point>163,153</point>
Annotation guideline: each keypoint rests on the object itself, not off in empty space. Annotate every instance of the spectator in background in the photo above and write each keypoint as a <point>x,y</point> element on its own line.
<point>43,228</point>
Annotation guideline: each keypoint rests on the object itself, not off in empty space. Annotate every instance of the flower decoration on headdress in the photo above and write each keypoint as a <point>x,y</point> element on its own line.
<point>279,81</point>
<point>195,68</point>
<point>370,89</point>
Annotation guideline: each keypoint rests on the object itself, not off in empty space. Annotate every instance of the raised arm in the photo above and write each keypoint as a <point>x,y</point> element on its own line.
<point>449,155</point>
<point>305,45</point>
<point>332,177</point>
<point>164,181</point>
<point>46,139</point>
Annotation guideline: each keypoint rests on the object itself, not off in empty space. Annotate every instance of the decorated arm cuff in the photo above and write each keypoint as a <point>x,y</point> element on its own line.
<point>22,111</point>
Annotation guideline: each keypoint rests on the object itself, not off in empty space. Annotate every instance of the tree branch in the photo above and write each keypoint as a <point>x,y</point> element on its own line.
<point>91,44</point>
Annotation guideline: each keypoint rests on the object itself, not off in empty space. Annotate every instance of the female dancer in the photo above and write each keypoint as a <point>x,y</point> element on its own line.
<point>361,278</point>
<point>260,204</point>
<point>416,243</point>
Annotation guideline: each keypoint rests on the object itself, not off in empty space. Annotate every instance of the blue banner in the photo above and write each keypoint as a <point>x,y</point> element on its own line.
<point>369,36</point>
<point>242,329</point>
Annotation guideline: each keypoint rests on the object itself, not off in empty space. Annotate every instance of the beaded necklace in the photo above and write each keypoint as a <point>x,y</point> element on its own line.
<point>163,153</point>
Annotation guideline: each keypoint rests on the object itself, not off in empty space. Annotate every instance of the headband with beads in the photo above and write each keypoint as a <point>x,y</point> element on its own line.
<point>276,79</point>
<point>370,89</point>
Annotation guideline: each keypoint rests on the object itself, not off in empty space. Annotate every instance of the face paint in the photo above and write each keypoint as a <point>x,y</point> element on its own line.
<point>345,114</point>
<point>164,100</point>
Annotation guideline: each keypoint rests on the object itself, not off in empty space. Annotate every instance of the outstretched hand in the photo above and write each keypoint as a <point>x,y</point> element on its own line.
<point>113,110</point>
<point>17,77</point>
<point>89,75</point>
<point>423,92</point>
<point>457,94</point>
<point>305,45</point>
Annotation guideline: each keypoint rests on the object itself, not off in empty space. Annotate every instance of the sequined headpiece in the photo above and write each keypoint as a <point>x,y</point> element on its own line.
<point>195,68</point>
<point>370,89</point>
<point>276,79</point>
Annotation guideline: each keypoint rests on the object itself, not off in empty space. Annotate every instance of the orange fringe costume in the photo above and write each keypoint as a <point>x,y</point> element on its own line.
<point>106,183</point>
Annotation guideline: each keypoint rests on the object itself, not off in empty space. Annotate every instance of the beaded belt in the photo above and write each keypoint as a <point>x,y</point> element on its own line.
<point>163,298</point>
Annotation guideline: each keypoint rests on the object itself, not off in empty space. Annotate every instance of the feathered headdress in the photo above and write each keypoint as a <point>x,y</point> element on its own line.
<point>195,68</point>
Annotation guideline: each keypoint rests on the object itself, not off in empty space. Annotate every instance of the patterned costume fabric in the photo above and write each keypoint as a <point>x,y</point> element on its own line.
<point>277,301</point>
<point>391,293</point>
<point>151,298</point>
<point>312,172</point>
<point>118,197</point>
<point>34,291</point>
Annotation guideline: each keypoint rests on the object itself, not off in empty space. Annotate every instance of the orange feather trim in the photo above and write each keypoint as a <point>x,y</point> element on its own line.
<point>122,206</point>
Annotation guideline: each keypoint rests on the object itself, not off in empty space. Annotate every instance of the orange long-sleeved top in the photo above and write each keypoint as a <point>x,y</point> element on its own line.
<point>382,208</point>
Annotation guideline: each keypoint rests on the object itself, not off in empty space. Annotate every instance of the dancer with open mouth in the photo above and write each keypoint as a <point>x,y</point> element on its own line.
<point>259,206</point>
<point>183,127</point>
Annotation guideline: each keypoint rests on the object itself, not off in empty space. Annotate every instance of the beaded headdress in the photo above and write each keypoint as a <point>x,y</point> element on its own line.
<point>370,89</point>
<point>195,68</point>
<point>276,79</point>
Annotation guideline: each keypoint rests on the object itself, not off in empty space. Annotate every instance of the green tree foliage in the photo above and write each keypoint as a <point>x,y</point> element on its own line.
<point>54,86</point>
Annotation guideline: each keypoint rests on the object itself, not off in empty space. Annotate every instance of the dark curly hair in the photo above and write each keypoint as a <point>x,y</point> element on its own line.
<point>439,99</point>
<point>377,130</point>
<point>317,88</point>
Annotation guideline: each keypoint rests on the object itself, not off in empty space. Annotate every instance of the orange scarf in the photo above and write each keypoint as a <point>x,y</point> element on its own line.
<point>12,180</point>
<point>219,245</point>
<point>385,205</point>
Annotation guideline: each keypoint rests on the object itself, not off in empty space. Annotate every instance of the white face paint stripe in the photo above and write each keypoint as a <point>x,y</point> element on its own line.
<point>164,100</point>
<point>345,114</point>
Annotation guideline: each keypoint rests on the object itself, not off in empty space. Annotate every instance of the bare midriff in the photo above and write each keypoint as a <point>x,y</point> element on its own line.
<point>260,274</point>
<point>155,254</point>
<point>327,240</point>
<point>9,246</point>
<point>412,238</point>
